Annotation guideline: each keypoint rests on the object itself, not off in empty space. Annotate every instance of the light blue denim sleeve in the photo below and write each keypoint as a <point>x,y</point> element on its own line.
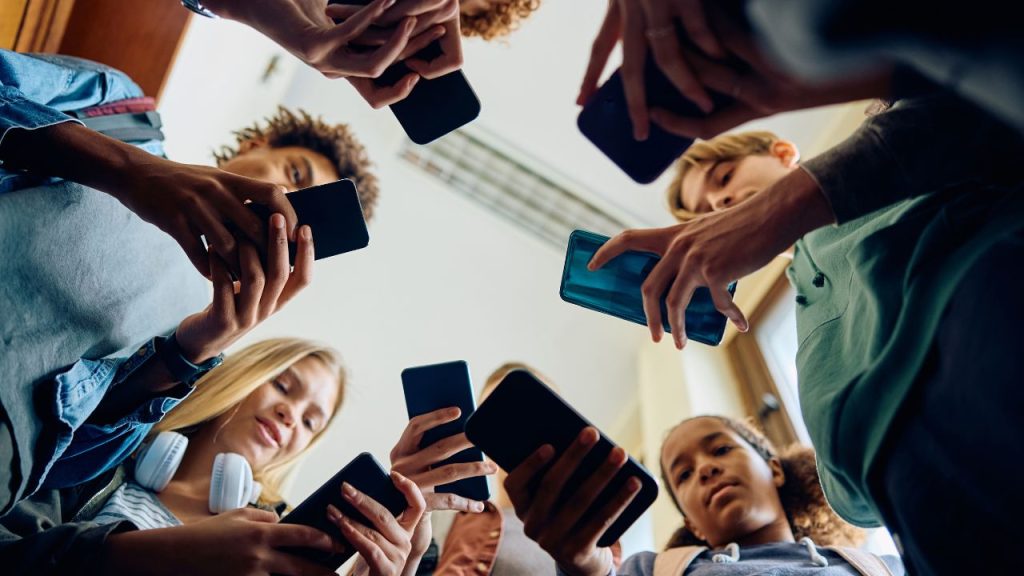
<point>37,91</point>
<point>85,450</point>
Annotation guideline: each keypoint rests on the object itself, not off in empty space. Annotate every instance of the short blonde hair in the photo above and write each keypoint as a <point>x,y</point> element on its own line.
<point>225,387</point>
<point>719,149</point>
<point>499,20</point>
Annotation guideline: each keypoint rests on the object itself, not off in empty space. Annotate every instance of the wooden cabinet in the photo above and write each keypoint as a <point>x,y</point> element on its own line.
<point>140,38</point>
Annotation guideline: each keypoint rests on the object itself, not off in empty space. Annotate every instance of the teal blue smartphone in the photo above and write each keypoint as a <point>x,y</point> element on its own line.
<point>615,289</point>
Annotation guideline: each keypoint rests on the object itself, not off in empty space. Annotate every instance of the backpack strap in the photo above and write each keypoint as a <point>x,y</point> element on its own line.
<point>863,561</point>
<point>129,120</point>
<point>675,561</point>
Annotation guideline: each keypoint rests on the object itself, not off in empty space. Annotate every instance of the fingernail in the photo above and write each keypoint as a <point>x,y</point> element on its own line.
<point>348,490</point>
<point>478,506</point>
<point>307,233</point>
<point>389,4</point>
<point>277,221</point>
<point>546,451</point>
<point>438,31</point>
<point>617,455</point>
<point>633,484</point>
<point>589,436</point>
<point>333,512</point>
<point>706,106</point>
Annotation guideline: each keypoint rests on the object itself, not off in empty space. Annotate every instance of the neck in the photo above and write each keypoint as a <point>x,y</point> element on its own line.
<point>777,531</point>
<point>194,473</point>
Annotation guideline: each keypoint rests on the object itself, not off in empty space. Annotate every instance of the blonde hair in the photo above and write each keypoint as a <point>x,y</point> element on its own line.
<point>224,388</point>
<point>719,149</point>
<point>501,371</point>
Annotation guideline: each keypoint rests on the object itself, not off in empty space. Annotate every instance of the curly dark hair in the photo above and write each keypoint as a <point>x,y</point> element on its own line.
<point>336,142</point>
<point>802,498</point>
<point>498,21</point>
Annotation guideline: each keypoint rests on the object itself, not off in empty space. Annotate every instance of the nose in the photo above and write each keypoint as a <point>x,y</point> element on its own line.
<point>722,201</point>
<point>284,414</point>
<point>708,470</point>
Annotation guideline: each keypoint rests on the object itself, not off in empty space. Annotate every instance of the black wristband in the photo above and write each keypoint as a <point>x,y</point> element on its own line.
<point>169,352</point>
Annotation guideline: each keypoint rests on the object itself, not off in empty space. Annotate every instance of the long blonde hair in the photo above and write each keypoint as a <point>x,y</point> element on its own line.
<point>718,149</point>
<point>223,389</point>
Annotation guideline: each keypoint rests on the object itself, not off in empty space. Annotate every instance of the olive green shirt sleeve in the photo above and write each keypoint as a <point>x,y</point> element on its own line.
<point>917,146</point>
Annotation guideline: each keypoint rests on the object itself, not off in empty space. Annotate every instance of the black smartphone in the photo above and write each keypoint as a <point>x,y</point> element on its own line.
<point>367,476</point>
<point>615,289</point>
<point>522,414</point>
<point>436,386</point>
<point>334,214</point>
<point>605,121</point>
<point>434,107</point>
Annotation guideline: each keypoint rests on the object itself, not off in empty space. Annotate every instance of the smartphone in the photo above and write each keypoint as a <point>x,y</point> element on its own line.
<point>334,214</point>
<point>434,107</point>
<point>522,414</point>
<point>605,121</point>
<point>429,388</point>
<point>367,476</point>
<point>615,289</point>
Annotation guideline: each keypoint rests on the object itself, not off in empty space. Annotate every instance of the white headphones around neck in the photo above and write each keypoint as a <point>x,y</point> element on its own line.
<point>231,483</point>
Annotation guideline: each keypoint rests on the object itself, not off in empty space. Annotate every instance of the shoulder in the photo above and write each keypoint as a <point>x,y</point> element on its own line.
<point>639,564</point>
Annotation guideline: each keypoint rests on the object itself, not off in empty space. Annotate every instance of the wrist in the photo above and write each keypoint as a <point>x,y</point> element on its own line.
<point>184,364</point>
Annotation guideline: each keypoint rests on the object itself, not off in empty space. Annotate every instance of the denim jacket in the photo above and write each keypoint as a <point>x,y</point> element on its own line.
<point>86,287</point>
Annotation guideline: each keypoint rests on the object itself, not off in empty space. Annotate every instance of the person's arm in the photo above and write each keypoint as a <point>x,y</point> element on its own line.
<point>917,146</point>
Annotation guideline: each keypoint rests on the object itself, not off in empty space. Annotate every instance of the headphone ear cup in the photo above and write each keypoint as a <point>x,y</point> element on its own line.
<point>159,460</point>
<point>231,483</point>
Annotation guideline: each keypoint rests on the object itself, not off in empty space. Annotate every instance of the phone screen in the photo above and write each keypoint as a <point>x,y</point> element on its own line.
<point>430,388</point>
<point>522,414</point>
<point>615,289</point>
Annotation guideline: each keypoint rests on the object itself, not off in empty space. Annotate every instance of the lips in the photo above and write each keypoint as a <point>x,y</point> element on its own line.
<point>268,429</point>
<point>716,489</point>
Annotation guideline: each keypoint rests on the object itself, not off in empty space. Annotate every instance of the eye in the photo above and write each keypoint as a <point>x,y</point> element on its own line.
<point>296,175</point>
<point>685,475</point>
<point>308,423</point>
<point>726,176</point>
<point>722,450</point>
<point>280,387</point>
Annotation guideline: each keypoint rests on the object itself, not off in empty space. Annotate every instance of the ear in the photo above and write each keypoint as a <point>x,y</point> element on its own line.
<point>786,152</point>
<point>693,529</point>
<point>778,475</point>
<point>252,144</point>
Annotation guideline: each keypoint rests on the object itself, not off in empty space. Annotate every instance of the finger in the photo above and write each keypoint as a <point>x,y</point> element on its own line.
<point>599,523</point>
<point>586,494</point>
<point>372,64</point>
<point>719,121</point>
<point>518,481</point>
<point>695,22</point>
<point>653,289</point>
<point>192,245</point>
<point>302,274</point>
<point>252,282</point>
<point>421,40</point>
<point>232,206</point>
<point>275,198</point>
<point>634,57</point>
<point>380,96</point>
<point>416,505</point>
<point>223,303</point>
<point>357,23</point>
<point>341,12</point>
<point>298,536</point>
<point>418,425</point>
<point>724,304</point>
<point>600,51</point>
<point>643,240</point>
<point>668,54</point>
<point>454,502</point>
<point>450,59</point>
<point>542,511</point>
<point>218,236</point>
<point>278,267</point>
<point>443,449</point>
<point>380,517</point>
<point>453,472</point>
<point>676,301</point>
<point>367,542</point>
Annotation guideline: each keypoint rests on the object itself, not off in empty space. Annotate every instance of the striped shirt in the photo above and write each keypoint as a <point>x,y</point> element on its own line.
<point>137,505</point>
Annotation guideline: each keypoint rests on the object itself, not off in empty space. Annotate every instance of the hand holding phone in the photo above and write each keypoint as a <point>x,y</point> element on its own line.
<point>521,416</point>
<point>371,483</point>
<point>333,213</point>
<point>614,289</point>
<point>439,400</point>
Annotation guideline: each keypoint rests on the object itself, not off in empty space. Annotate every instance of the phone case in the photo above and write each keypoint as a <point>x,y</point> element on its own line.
<point>334,214</point>
<point>522,414</point>
<point>605,121</point>
<point>615,289</point>
<point>436,386</point>
<point>367,476</point>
